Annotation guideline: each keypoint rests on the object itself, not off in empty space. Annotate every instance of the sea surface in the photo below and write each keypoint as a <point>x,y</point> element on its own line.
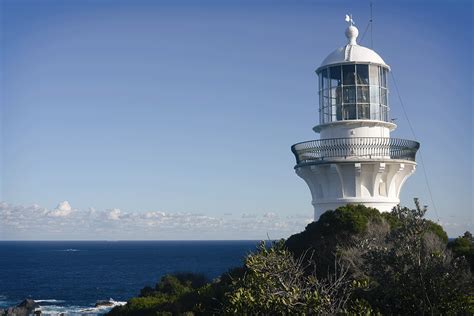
<point>71,276</point>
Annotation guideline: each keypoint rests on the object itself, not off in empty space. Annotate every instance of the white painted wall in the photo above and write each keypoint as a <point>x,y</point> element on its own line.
<point>355,128</point>
<point>371,183</point>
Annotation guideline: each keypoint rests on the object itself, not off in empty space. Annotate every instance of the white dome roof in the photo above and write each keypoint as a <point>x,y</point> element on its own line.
<point>353,52</point>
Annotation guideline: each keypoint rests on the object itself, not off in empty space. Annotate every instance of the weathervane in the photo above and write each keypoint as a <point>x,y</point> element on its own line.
<point>349,19</point>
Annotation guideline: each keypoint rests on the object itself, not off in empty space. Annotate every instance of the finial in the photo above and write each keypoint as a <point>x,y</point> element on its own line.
<point>349,19</point>
<point>351,32</point>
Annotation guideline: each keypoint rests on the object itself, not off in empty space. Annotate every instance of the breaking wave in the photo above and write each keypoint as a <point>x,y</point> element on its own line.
<point>73,310</point>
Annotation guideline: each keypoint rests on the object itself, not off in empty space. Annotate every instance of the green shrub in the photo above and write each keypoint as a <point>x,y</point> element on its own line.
<point>463,246</point>
<point>275,283</point>
<point>410,271</point>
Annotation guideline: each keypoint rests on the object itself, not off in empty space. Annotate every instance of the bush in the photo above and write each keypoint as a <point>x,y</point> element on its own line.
<point>410,271</point>
<point>176,294</point>
<point>275,283</point>
<point>463,246</point>
<point>333,230</point>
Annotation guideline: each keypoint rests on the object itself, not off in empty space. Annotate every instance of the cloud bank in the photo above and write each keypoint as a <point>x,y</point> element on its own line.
<point>34,222</point>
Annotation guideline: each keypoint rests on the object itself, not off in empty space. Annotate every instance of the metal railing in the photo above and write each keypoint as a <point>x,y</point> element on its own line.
<point>322,150</point>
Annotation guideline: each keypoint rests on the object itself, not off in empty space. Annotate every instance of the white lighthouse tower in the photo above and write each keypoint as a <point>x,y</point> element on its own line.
<point>355,161</point>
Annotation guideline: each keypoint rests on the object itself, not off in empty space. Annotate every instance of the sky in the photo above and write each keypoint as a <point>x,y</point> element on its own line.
<point>174,119</point>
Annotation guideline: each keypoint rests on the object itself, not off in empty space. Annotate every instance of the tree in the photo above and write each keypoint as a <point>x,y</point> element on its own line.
<point>410,271</point>
<point>463,246</point>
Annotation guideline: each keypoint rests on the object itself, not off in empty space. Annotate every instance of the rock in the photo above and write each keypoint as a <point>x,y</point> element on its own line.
<point>25,308</point>
<point>28,304</point>
<point>104,303</point>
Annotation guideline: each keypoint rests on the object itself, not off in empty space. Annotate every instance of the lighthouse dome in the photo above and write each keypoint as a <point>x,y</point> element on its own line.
<point>352,52</point>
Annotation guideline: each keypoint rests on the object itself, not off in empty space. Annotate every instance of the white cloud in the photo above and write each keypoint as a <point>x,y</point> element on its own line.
<point>114,214</point>
<point>62,210</point>
<point>270,215</point>
<point>66,222</point>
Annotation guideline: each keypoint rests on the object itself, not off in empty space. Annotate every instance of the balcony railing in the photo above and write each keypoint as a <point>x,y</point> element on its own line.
<point>323,150</point>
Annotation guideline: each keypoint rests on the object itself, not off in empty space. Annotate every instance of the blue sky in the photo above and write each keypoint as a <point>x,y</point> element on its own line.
<point>134,110</point>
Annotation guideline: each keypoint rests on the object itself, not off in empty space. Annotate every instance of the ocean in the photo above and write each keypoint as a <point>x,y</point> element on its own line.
<point>71,276</point>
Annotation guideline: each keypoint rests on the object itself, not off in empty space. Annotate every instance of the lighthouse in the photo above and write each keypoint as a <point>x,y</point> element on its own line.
<point>354,161</point>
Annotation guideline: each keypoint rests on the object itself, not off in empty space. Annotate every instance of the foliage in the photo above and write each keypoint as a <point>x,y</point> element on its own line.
<point>464,246</point>
<point>275,283</point>
<point>341,228</point>
<point>333,230</point>
<point>410,270</point>
<point>177,294</point>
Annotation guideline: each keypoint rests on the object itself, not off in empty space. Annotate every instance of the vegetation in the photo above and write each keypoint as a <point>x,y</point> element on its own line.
<point>409,269</point>
<point>276,283</point>
<point>463,246</point>
<point>354,260</point>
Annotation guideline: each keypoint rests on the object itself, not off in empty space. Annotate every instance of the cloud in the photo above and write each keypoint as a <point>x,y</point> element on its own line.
<point>270,215</point>
<point>66,222</point>
<point>114,214</point>
<point>62,210</point>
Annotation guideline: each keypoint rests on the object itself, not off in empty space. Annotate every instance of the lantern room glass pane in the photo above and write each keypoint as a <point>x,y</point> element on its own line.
<point>383,77</point>
<point>349,112</point>
<point>374,94</point>
<point>374,75</point>
<point>363,94</point>
<point>348,74</point>
<point>325,81</point>
<point>363,111</point>
<point>383,96</point>
<point>335,76</point>
<point>383,113</point>
<point>334,96</point>
<point>362,74</point>
<point>339,112</point>
<point>375,112</point>
<point>349,94</point>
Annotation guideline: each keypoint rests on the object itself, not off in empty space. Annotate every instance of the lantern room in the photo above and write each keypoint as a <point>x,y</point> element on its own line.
<point>353,84</point>
<point>355,91</point>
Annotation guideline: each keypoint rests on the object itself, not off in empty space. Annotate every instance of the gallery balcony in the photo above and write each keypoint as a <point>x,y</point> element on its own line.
<point>354,148</point>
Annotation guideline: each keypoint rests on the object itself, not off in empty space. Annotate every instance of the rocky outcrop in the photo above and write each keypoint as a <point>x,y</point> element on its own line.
<point>25,308</point>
